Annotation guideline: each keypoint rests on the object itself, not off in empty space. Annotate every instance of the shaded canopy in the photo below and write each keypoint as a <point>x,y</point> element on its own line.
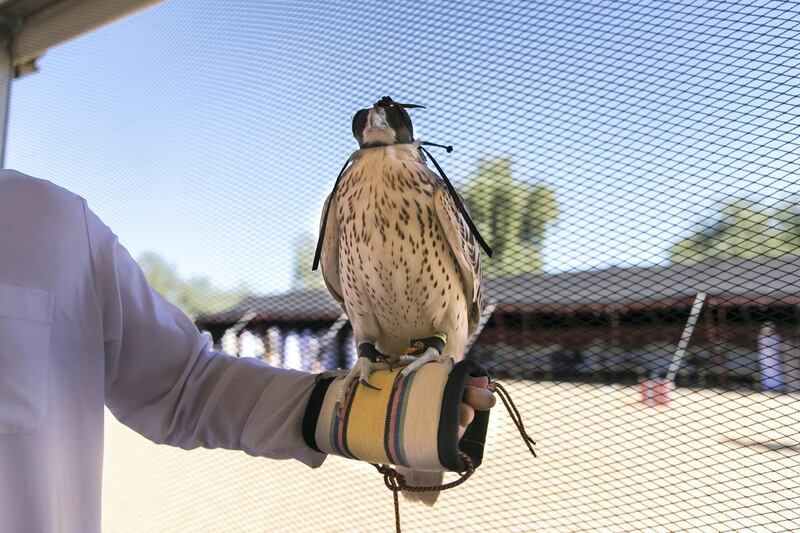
<point>38,25</point>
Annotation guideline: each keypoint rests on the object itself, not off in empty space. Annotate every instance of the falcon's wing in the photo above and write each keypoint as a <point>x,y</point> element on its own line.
<point>466,251</point>
<point>329,259</point>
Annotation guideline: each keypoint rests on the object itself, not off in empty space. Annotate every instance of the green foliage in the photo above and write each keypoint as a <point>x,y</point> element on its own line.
<point>193,296</point>
<point>302,276</point>
<point>744,229</point>
<point>512,215</point>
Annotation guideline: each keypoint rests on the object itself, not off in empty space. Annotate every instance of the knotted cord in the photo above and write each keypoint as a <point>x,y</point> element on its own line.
<point>513,413</point>
<point>396,482</point>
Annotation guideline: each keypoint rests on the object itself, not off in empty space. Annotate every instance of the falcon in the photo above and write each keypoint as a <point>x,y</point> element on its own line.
<point>399,252</point>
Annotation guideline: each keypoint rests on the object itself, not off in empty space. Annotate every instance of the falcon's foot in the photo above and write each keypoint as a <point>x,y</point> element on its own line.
<point>430,355</point>
<point>424,351</point>
<point>369,360</point>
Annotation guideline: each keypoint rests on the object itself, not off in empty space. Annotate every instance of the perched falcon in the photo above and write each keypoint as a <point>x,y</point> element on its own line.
<point>398,254</point>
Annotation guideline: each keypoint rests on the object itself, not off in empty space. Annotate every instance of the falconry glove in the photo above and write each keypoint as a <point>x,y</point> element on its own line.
<point>411,421</point>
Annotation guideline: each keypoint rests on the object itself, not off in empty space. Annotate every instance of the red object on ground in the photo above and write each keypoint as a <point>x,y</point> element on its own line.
<point>656,391</point>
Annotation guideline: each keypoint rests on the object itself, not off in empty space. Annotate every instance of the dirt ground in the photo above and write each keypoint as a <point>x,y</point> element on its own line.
<point>711,461</point>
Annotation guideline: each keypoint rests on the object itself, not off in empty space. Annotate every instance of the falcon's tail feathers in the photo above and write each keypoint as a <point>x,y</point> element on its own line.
<point>421,478</point>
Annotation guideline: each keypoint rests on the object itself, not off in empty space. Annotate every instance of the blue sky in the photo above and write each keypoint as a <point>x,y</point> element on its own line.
<point>210,132</point>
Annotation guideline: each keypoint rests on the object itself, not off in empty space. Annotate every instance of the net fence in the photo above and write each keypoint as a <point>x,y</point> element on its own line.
<point>633,164</point>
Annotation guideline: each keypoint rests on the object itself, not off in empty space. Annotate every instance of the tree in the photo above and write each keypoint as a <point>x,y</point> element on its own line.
<point>745,229</point>
<point>303,277</point>
<point>194,295</point>
<point>512,215</point>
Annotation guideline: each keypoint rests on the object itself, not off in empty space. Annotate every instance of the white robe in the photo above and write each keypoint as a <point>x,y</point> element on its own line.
<point>80,328</point>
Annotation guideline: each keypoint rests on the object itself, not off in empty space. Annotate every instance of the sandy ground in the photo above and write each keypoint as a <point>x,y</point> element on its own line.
<point>712,461</point>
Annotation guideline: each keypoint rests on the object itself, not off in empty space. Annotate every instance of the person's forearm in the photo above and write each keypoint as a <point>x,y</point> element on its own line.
<point>163,381</point>
<point>226,402</point>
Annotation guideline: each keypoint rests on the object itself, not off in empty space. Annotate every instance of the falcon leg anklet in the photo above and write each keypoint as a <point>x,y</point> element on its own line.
<point>423,351</point>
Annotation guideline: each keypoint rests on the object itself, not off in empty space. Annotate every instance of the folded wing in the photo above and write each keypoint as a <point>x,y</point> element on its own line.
<point>329,259</point>
<point>466,251</point>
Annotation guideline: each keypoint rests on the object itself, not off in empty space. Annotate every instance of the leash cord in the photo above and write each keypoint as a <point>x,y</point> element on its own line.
<point>396,482</point>
<point>513,412</point>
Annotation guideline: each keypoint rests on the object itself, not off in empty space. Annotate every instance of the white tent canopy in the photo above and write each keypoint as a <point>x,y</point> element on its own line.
<point>38,25</point>
<point>29,28</point>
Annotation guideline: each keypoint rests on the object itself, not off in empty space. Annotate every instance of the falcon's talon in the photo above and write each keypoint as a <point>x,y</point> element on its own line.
<point>449,362</point>
<point>367,384</point>
<point>361,371</point>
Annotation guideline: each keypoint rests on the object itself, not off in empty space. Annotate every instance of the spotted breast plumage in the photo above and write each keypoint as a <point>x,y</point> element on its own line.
<point>398,254</point>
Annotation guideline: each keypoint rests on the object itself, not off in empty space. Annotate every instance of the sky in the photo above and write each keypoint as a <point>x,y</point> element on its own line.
<point>211,132</point>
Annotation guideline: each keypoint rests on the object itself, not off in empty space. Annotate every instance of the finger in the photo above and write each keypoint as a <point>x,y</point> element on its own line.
<point>478,398</point>
<point>481,382</point>
<point>465,415</point>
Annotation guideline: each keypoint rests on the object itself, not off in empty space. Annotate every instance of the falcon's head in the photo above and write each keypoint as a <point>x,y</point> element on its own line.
<point>386,122</point>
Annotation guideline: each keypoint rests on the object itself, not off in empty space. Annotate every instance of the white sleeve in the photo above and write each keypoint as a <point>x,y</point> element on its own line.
<point>162,380</point>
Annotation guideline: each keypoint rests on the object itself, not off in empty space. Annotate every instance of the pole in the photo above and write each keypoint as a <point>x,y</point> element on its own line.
<point>331,334</point>
<point>485,315</point>
<point>687,334</point>
<point>8,28</point>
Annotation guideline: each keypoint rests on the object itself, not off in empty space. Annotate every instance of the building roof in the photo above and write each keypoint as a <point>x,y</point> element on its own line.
<point>733,282</point>
<point>313,304</point>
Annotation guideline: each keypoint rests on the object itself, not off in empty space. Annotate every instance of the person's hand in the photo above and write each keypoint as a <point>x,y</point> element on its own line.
<point>477,397</point>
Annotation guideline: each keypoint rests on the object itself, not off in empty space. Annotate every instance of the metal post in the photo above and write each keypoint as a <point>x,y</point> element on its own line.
<point>8,28</point>
<point>485,316</point>
<point>697,306</point>
<point>331,334</point>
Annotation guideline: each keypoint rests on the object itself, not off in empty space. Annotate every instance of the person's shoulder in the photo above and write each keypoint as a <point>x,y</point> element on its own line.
<point>39,203</point>
<point>23,187</point>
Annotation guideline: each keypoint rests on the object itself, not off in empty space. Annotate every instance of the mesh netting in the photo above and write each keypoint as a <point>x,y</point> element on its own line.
<point>633,164</point>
